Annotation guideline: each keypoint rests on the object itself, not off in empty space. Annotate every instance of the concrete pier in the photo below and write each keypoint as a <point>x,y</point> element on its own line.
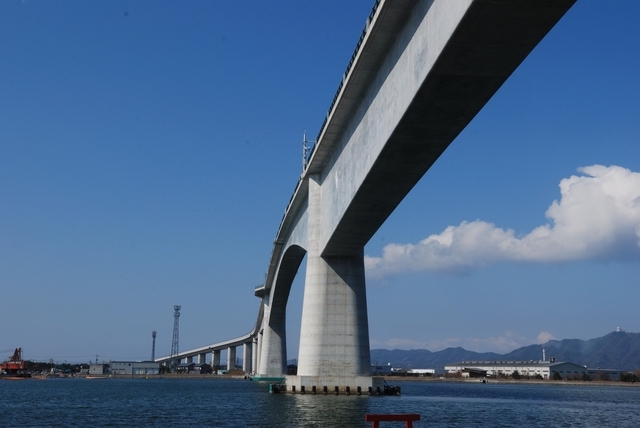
<point>247,357</point>
<point>215,360</point>
<point>273,352</point>
<point>231,358</point>
<point>334,335</point>
<point>356,385</point>
<point>254,355</point>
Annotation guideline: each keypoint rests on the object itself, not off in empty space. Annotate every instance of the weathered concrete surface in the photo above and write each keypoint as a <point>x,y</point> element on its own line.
<point>334,335</point>
<point>447,62</point>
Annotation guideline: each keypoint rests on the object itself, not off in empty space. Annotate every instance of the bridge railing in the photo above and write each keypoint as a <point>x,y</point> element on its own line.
<point>346,72</point>
<point>300,182</point>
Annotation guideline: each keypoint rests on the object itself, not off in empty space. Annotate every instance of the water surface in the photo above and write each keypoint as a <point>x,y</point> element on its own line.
<point>237,403</point>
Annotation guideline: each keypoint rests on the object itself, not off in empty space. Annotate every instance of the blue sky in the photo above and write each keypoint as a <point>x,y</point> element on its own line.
<point>148,151</point>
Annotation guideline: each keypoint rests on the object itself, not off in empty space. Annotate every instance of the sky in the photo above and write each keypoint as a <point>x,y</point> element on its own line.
<point>148,151</point>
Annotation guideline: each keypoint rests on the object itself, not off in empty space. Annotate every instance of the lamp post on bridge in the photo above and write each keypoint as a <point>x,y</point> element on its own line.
<point>306,151</point>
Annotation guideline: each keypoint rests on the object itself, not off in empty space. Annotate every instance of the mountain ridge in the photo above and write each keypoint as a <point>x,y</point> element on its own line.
<point>616,350</point>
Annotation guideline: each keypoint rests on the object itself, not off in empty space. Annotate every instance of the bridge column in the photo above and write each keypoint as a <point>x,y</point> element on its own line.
<point>273,348</point>
<point>190,359</point>
<point>231,358</point>
<point>334,335</point>
<point>247,357</point>
<point>202,358</point>
<point>254,354</point>
<point>215,360</point>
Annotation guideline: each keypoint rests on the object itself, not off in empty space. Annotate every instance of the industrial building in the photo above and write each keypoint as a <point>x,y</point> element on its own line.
<point>544,369</point>
<point>604,374</point>
<point>377,370</point>
<point>387,370</point>
<point>125,368</point>
<point>203,368</point>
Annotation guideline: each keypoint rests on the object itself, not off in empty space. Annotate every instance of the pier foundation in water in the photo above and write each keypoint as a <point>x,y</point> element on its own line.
<point>334,385</point>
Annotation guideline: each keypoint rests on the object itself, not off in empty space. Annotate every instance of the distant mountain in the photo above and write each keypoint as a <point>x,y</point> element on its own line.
<point>617,350</point>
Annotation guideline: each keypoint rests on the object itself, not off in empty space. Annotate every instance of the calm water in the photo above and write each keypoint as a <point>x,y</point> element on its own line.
<point>235,403</point>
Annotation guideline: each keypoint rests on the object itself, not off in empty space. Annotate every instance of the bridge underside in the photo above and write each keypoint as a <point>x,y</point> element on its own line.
<point>489,43</point>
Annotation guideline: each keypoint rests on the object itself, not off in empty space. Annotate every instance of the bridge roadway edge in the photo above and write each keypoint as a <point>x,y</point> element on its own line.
<point>488,44</point>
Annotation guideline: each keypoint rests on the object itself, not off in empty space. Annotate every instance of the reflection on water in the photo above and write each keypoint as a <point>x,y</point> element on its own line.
<point>236,403</point>
<point>329,410</point>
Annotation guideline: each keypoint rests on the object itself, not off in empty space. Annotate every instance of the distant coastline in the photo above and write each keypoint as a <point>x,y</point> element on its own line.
<point>391,379</point>
<point>388,379</point>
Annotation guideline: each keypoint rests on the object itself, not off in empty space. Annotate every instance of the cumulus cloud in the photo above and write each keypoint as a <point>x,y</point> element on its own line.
<point>597,218</point>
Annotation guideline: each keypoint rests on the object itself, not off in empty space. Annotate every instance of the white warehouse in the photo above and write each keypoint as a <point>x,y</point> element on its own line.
<point>524,368</point>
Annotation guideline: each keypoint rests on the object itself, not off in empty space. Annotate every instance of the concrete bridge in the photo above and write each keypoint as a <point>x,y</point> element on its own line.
<point>421,71</point>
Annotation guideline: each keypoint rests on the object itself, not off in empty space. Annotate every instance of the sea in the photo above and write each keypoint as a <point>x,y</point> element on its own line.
<point>243,403</point>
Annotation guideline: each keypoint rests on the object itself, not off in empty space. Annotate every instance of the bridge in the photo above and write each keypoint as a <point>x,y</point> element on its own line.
<point>421,71</point>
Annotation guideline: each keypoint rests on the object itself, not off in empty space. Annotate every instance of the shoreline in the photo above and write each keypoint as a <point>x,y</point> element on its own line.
<point>388,379</point>
<point>513,381</point>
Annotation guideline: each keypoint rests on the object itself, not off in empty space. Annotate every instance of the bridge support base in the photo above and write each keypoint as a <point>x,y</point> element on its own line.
<point>356,385</point>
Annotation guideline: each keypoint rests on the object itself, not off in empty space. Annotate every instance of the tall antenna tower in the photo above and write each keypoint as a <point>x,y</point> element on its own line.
<point>153,346</point>
<point>176,334</point>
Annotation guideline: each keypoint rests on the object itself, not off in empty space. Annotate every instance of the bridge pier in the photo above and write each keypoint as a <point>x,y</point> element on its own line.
<point>254,354</point>
<point>334,334</point>
<point>215,360</point>
<point>247,357</point>
<point>273,348</point>
<point>202,358</point>
<point>231,358</point>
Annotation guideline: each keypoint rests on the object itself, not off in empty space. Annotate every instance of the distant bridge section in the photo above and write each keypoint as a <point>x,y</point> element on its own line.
<point>249,355</point>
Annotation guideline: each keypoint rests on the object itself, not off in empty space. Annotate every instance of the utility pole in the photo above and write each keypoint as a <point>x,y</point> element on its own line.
<point>174,343</point>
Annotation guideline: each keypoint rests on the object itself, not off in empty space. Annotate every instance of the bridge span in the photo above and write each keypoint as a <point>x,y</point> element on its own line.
<point>421,71</point>
<point>247,341</point>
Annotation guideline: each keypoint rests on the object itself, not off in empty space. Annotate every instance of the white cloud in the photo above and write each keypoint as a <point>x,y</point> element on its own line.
<point>544,337</point>
<point>597,218</point>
